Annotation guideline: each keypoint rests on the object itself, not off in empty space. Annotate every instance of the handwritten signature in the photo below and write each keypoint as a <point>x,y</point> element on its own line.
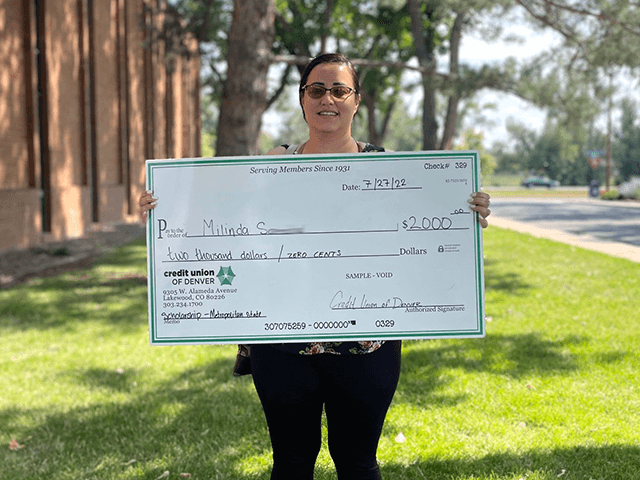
<point>340,301</point>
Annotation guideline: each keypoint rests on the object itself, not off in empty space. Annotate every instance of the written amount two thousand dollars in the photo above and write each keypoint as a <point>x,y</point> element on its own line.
<point>315,248</point>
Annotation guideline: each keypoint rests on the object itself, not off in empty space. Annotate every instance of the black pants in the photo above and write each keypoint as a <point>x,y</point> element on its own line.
<point>356,391</point>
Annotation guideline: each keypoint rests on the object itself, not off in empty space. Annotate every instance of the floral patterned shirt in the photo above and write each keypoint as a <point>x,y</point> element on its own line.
<point>335,348</point>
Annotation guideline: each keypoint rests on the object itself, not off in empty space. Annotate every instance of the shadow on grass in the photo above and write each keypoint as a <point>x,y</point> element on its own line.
<point>614,462</point>
<point>113,291</point>
<point>203,421</point>
<point>512,355</point>
<point>120,302</point>
<point>509,282</point>
<point>124,380</point>
<point>610,462</point>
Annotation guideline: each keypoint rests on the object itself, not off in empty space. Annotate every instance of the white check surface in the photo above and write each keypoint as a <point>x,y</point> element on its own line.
<point>314,248</point>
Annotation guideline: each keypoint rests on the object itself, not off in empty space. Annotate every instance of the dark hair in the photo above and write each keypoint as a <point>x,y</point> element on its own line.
<point>328,58</point>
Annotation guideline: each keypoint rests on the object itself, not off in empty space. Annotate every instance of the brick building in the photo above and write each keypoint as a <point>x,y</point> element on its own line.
<point>85,98</point>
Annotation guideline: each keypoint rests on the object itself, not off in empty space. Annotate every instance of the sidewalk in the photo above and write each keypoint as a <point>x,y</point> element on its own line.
<point>617,249</point>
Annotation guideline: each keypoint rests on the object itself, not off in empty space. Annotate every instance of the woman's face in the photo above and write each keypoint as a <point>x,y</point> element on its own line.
<point>329,114</point>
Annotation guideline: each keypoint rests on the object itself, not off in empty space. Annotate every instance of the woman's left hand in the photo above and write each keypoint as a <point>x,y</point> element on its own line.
<point>480,202</point>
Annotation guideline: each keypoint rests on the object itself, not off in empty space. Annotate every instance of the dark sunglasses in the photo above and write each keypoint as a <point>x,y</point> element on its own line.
<point>318,91</point>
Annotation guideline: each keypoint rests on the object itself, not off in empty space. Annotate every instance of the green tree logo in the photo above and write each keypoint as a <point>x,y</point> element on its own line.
<point>226,276</point>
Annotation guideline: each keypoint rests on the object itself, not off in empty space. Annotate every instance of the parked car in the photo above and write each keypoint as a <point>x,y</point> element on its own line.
<point>531,182</point>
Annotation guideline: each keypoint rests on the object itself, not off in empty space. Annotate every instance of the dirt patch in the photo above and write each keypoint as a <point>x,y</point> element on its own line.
<point>18,266</point>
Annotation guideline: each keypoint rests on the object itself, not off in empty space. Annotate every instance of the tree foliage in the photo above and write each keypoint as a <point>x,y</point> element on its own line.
<point>382,34</point>
<point>560,154</point>
<point>600,33</point>
<point>209,22</point>
<point>472,140</point>
<point>626,149</point>
<point>383,38</point>
<point>371,33</point>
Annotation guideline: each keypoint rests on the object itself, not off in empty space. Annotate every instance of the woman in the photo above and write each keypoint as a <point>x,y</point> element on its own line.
<point>353,381</point>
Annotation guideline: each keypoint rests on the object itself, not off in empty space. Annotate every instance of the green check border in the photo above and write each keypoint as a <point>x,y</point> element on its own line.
<point>470,156</point>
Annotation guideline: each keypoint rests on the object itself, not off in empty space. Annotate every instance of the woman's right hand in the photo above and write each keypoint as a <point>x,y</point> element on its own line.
<point>147,202</point>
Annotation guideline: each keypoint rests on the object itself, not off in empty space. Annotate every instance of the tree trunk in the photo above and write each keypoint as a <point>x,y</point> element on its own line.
<point>370,103</point>
<point>385,123</point>
<point>454,97</point>
<point>429,121</point>
<point>324,33</point>
<point>424,51</point>
<point>244,97</point>
<point>376,135</point>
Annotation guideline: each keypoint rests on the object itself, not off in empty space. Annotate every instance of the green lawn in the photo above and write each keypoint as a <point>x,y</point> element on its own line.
<point>503,179</point>
<point>551,392</point>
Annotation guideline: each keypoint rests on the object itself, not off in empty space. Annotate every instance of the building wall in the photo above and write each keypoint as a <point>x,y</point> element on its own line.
<point>76,158</point>
<point>64,104</point>
<point>18,220</point>
<point>137,101</point>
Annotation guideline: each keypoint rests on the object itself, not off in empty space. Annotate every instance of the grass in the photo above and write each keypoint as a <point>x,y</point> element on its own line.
<point>503,179</point>
<point>551,392</point>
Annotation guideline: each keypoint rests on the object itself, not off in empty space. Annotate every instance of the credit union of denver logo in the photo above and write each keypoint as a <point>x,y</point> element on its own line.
<point>226,276</point>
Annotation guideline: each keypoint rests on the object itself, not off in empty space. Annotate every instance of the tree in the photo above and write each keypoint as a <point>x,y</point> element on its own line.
<point>438,27</point>
<point>244,97</point>
<point>209,116</point>
<point>626,150</point>
<point>601,33</point>
<point>404,130</point>
<point>378,35</point>
<point>425,44</point>
<point>301,27</point>
<point>600,39</point>
<point>374,36</point>
<point>381,37</point>
<point>507,160</point>
<point>293,130</point>
<point>472,140</point>
<point>208,21</point>
<point>554,152</point>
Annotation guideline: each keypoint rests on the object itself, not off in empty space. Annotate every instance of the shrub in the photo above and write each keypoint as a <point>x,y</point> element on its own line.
<point>611,195</point>
<point>60,252</point>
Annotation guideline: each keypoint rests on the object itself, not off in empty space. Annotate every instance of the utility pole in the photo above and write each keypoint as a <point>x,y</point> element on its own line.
<point>609,131</point>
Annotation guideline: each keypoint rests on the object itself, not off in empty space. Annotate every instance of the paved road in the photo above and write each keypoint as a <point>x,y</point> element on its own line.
<point>609,227</point>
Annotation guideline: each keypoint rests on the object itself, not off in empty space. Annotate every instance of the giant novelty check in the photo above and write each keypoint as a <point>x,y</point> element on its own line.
<point>310,248</point>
